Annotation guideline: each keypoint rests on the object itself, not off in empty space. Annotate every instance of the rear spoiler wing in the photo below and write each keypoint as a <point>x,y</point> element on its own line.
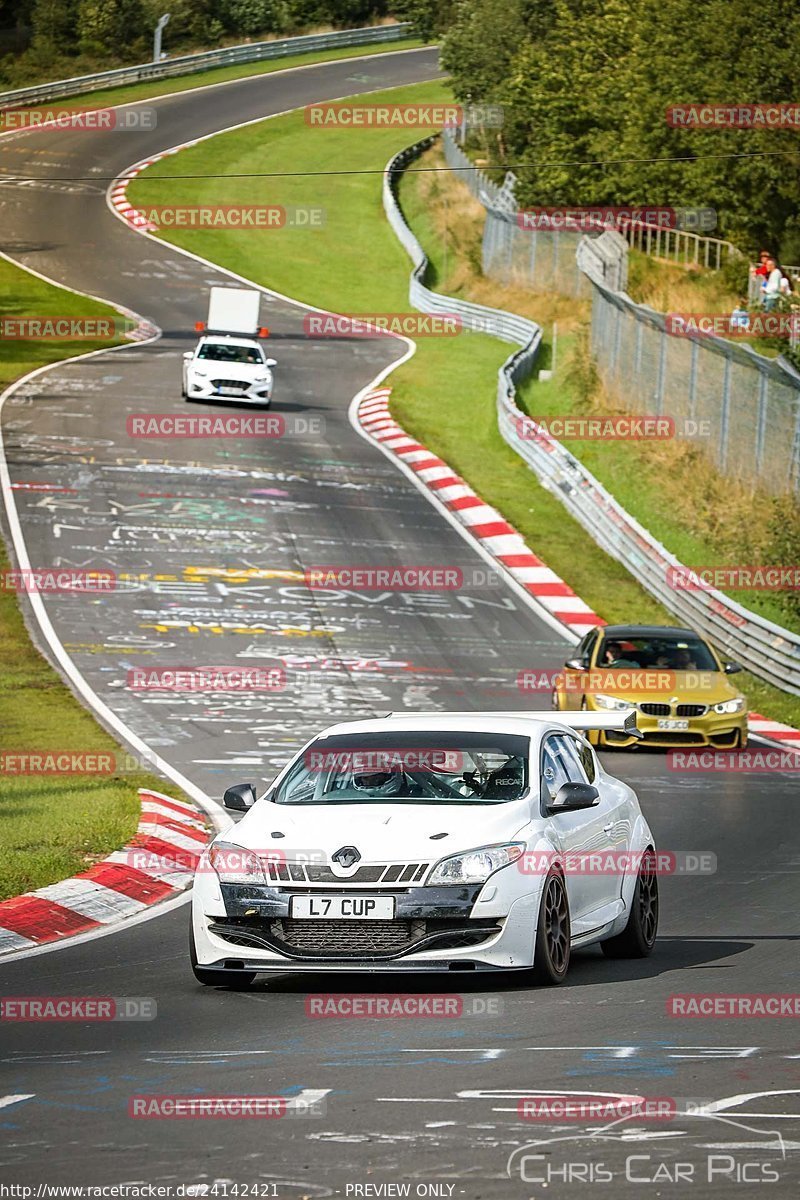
<point>622,721</point>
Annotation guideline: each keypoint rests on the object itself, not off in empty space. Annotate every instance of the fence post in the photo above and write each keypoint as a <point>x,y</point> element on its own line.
<point>511,233</point>
<point>761,419</point>
<point>725,415</point>
<point>693,381</point>
<point>615,341</point>
<point>794,468</point>
<point>662,370</point>
<point>534,234</point>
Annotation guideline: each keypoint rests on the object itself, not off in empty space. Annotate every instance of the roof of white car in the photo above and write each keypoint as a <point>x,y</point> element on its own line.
<point>528,724</point>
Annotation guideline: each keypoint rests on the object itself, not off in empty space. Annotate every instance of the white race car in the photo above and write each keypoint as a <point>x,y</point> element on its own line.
<point>430,842</point>
<point>231,369</point>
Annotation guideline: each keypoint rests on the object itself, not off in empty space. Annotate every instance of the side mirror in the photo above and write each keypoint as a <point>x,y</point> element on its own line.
<point>733,668</point>
<point>272,362</point>
<point>573,796</point>
<point>240,797</point>
<point>576,664</point>
<point>187,354</point>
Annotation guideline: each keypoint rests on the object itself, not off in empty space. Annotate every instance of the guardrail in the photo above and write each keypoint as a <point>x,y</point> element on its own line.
<point>766,649</point>
<point>189,63</point>
<point>509,327</point>
<point>678,245</point>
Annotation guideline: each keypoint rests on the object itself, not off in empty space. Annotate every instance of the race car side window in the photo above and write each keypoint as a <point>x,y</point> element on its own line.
<point>560,764</point>
<point>587,645</point>
<point>586,757</point>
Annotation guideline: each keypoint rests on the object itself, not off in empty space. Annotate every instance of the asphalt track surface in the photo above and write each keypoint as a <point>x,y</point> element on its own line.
<point>431,1103</point>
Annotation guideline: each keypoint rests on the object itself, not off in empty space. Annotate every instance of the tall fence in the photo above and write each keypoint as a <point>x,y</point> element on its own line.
<point>189,63</point>
<point>741,408</point>
<point>767,649</point>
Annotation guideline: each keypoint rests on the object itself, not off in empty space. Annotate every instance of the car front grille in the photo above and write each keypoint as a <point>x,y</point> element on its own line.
<point>352,939</point>
<point>241,384</point>
<point>681,710</point>
<point>336,938</point>
<point>373,873</point>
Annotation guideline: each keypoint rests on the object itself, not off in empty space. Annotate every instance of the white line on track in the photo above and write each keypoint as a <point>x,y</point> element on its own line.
<point>7,1101</point>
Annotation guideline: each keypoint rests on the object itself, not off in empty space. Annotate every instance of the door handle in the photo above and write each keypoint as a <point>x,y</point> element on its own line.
<point>608,828</point>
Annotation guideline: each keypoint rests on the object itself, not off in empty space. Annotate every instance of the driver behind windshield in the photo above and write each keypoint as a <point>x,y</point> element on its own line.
<point>470,769</point>
<point>614,656</point>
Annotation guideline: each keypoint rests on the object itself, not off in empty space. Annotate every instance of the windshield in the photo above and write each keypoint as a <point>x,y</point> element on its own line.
<point>673,653</point>
<point>224,352</point>
<point>409,768</point>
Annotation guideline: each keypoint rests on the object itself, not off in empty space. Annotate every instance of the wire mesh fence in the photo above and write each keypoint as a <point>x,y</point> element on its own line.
<point>742,407</point>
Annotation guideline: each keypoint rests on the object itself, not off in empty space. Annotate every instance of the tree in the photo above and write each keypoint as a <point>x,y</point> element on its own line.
<point>115,27</point>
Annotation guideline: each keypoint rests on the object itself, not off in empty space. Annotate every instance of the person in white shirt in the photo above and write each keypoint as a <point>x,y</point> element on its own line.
<point>771,287</point>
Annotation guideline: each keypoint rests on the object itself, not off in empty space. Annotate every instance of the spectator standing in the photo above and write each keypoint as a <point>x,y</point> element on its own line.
<point>771,287</point>
<point>761,271</point>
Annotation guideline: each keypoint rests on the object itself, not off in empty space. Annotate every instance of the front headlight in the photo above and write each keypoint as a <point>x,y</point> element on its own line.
<point>261,379</point>
<point>475,866</point>
<point>730,706</point>
<point>233,864</point>
<point>611,702</point>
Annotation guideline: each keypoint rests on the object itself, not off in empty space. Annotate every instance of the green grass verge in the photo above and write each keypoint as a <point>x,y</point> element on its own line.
<point>51,827</point>
<point>145,90</point>
<point>445,395</point>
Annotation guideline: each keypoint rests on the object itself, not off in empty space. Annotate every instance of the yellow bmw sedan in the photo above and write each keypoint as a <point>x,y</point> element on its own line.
<point>671,676</point>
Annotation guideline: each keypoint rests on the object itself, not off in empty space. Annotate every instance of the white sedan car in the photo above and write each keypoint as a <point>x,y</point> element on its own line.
<point>231,369</point>
<point>430,842</point>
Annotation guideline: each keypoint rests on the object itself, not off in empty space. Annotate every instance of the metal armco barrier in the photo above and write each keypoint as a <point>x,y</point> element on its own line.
<point>188,63</point>
<point>766,649</point>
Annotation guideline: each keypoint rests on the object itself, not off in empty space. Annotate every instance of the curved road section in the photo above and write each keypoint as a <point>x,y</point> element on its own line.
<point>211,539</point>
